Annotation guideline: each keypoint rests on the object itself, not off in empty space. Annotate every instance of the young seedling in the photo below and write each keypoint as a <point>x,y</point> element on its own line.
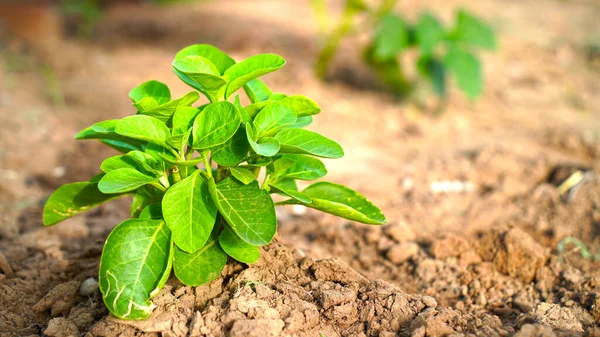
<point>193,171</point>
<point>440,51</point>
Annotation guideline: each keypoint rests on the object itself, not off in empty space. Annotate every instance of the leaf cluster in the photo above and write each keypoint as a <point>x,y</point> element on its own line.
<point>441,51</point>
<point>193,172</point>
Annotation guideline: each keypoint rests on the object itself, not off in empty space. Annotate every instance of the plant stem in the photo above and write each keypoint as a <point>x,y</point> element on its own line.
<point>164,181</point>
<point>158,186</point>
<point>333,42</point>
<point>208,166</point>
<point>176,174</point>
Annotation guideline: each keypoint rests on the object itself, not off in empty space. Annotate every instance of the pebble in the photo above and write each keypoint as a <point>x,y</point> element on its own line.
<point>88,287</point>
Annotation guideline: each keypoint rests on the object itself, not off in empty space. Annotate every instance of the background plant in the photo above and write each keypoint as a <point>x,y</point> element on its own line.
<point>190,218</point>
<point>440,51</point>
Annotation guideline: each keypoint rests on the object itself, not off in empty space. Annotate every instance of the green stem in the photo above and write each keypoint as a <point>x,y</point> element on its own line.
<point>159,186</point>
<point>176,174</point>
<point>208,166</point>
<point>333,42</point>
<point>164,181</point>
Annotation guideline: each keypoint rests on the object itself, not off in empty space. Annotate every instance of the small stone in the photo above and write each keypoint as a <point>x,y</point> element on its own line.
<point>61,327</point>
<point>429,301</point>
<point>555,316</point>
<point>88,287</point>
<point>450,246</point>
<point>401,252</point>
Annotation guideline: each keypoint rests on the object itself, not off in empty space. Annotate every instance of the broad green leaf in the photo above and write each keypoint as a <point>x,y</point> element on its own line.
<point>303,168</point>
<point>201,74</point>
<point>235,247</point>
<point>244,116</point>
<point>158,157</point>
<point>134,261</point>
<point>429,33</point>
<point>248,209</point>
<point>254,108</point>
<point>118,162</point>
<point>156,90</point>
<point>165,111</point>
<point>105,132</point>
<point>473,31</point>
<point>149,166</point>
<point>255,66</point>
<point>202,266</point>
<point>434,70</point>
<point>190,212</point>
<point>242,174</point>
<point>183,120</point>
<point>277,96</point>
<point>123,180</point>
<point>217,57</point>
<point>266,146</point>
<point>144,128</point>
<point>216,124</point>
<point>146,103</point>
<point>273,118</point>
<point>391,37</point>
<point>153,211</point>
<point>257,90</point>
<point>344,202</point>
<point>301,122</point>
<point>72,199</point>
<point>467,70</point>
<point>288,187</point>
<point>307,142</point>
<point>302,105</point>
<point>233,151</point>
<point>143,197</point>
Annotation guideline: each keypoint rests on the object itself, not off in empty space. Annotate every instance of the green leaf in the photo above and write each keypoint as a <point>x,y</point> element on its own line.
<point>183,120</point>
<point>307,142</point>
<point>473,31</point>
<point>146,164</point>
<point>303,168</point>
<point>190,212</point>
<point>301,122</point>
<point>201,74</point>
<point>254,108</point>
<point>133,265</point>
<point>242,174</point>
<point>217,57</point>
<point>72,199</point>
<point>202,266</point>
<point>467,70</point>
<point>157,157</point>
<point>216,124</point>
<point>277,96</point>
<point>266,146</point>
<point>344,202</point>
<point>429,33</point>
<point>257,90</point>
<point>117,162</point>
<point>248,209</point>
<point>144,128</point>
<point>391,37</point>
<point>273,118</point>
<point>233,151</point>
<point>153,211</point>
<point>302,105</point>
<point>105,131</point>
<point>156,90</point>
<point>123,180</point>
<point>244,116</point>
<point>242,72</point>
<point>434,70</point>
<point>235,247</point>
<point>143,197</point>
<point>288,187</point>
<point>164,112</point>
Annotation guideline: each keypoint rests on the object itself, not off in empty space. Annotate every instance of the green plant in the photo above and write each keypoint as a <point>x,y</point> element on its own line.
<point>440,51</point>
<point>190,218</point>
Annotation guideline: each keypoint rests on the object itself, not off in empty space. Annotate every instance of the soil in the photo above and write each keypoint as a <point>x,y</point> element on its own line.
<point>474,197</point>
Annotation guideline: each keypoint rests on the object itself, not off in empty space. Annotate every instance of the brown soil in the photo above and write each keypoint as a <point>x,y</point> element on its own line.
<point>475,213</point>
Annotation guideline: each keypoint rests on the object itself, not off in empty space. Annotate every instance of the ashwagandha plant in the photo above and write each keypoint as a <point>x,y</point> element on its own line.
<point>189,218</point>
<point>440,51</point>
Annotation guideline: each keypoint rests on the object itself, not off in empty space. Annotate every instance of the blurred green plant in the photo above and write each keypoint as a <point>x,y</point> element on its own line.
<point>441,51</point>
